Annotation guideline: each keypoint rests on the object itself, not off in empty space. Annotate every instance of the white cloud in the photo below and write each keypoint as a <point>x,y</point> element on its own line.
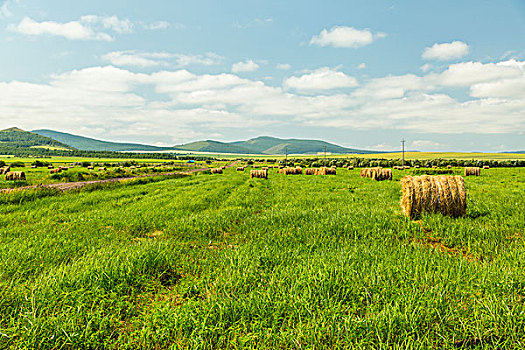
<point>319,80</point>
<point>421,145</point>
<point>131,58</point>
<point>469,73</point>
<point>426,67</point>
<point>345,37</point>
<point>187,105</point>
<point>361,65</point>
<point>87,28</point>
<point>283,66</point>
<point>446,51</point>
<point>4,10</point>
<point>159,25</point>
<point>208,59</point>
<point>246,66</point>
<point>253,23</point>
<point>153,59</point>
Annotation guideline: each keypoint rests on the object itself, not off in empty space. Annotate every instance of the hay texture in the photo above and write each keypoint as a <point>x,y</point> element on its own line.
<point>216,171</point>
<point>367,172</point>
<point>291,171</point>
<point>433,194</point>
<point>15,176</point>
<point>260,174</point>
<point>381,174</point>
<point>472,171</point>
<point>486,167</point>
<point>5,170</point>
<point>240,168</point>
<point>55,171</point>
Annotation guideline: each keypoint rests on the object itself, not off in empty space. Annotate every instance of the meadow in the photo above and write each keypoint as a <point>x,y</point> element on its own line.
<point>225,261</point>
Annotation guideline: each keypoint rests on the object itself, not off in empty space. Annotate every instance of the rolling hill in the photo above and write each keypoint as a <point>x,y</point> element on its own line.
<point>273,145</point>
<point>264,145</point>
<point>215,147</point>
<point>89,144</point>
<point>15,139</point>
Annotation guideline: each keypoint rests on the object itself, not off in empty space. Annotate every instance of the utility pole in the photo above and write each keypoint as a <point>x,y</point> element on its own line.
<point>286,156</point>
<point>403,143</point>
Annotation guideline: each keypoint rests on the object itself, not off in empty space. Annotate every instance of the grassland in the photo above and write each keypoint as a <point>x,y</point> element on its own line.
<point>224,261</point>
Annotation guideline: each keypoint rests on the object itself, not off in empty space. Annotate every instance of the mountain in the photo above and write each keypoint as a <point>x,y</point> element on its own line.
<point>261,145</point>
<point>215,147</point>
<point>89,144</point>
<point>16,139</point>
<point>273,145</point>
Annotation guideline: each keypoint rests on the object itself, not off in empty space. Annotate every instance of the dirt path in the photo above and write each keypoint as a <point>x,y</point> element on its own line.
<point>68,186</point>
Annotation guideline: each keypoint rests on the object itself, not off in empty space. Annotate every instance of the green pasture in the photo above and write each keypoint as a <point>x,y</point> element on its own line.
<point>225,261</point>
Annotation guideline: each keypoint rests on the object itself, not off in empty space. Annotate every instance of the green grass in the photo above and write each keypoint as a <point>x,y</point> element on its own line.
<point>223,261</point>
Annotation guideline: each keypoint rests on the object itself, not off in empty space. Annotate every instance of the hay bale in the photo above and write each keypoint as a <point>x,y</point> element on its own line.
<point>55,171</point>
<point>433,194</point>
<point>416,166</point>
<point>449,166</point>
<point>261,174</point>
<point>265,168</point>
<point>240,168</point>
<point>381,174</point>
<point>472,171</point>
<point>434,166</point>
<point>92,167</point>
<point>216,171</point>
<point>367,172</point>
<point>50,167</point>
<point>5,170</point>
<point>406,167</point>
<point>101,169</point>
<point>223,167</point>
<point>291,171</point>
<point>309,171</point>
<point>486,167</point>
<point>331,171</point>
<point>350,167</point>
<point>15,176</point>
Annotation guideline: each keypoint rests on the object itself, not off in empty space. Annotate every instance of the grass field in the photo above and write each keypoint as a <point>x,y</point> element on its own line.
<point>224,261</point>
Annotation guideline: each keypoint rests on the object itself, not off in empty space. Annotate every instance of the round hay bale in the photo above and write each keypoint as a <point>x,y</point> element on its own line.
<point>433,194</point>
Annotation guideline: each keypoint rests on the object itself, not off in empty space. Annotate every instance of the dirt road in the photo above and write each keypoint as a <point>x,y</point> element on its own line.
<point>68,186</point>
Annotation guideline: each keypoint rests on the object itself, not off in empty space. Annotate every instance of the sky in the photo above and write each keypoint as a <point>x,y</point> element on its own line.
<point>444,75</point>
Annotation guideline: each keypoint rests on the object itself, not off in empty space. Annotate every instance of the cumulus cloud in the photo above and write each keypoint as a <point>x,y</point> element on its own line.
<point>208,59</point>
<point>187,104</point>
<point>446,51</point>
<point>345,37</point>
<point>86,28</point>
<point>320,79</point>
<point>245,66</point>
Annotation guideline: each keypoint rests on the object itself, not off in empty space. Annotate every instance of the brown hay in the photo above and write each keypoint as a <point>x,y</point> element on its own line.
<point>449,166</point>
<point>5,170</point>
<point>291,171</point>
<point>15,176</point>
<point>472,171</point>
<point>433,194</point>
<point>101,168</point>
<point>216,171</point>
<point>240,168</point>
<point>369,172</point>
<point>92,167</point>
<point>378,174</point>
<point>309,171</point>
<point>416,166</point>
<point>55,171</point>
<point>223,167</point>
<point>486,167</point>
<point>350,167</point>
<point>261,174</point>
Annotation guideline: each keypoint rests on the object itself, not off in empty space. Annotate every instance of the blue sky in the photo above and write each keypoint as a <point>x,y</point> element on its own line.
<point>445,75</point>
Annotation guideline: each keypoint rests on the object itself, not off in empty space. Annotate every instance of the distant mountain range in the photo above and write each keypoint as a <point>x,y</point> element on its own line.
<point>261,145</point>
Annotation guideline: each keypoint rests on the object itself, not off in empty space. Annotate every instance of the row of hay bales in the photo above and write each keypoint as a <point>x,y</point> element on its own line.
<point>321,171</point>
<point>433,194</point>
